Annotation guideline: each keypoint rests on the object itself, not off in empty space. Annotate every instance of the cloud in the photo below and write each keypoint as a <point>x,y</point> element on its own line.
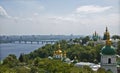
<point>41,7</point>
<point>76,23</point>
<point>35,14</point>
<point>3,12</point>
<point>62,18</point>
<point>92,9</point>
<point>60,24</point>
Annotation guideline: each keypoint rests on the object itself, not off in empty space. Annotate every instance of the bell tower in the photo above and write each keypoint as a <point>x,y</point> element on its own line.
<point>108,55</point>
<point>106,35</point>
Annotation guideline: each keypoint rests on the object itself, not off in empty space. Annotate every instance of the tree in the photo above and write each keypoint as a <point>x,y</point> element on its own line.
<point>118,48</point>
<point>13,56</point>
<point>6,69</point>
<point>76,40</point>
<point>101,70</point>
<point>115,37</point>
<point>85,39</point>
<point>22,69</point>
<point>36,61</point>
<point>21,58</point>
<point>10,61</point>
<point>87,69</point>
<point>34,70</point>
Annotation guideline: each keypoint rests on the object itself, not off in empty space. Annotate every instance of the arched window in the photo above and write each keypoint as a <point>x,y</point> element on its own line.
<point>109,61</point>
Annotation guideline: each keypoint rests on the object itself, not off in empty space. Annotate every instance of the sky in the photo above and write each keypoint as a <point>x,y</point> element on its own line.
<point>59,17</point>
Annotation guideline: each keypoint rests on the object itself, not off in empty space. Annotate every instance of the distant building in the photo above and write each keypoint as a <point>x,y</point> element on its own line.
<point>106,34</point>
<point>95,36</point>
<point>59,54</point>
<point>108,55</point>
<point>93,66</point>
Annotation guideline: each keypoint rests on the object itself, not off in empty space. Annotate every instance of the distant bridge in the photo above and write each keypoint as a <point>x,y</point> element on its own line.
<point>38,42</point>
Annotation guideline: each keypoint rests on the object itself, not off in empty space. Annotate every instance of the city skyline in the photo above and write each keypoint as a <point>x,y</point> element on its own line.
<point>64,17</point>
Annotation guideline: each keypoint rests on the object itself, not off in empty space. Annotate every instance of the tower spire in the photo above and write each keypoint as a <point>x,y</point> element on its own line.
<point>106,34</point>
<point>95,33</point>
<point>108,41</point>
<point>59,46</point>
<point>106,29</point>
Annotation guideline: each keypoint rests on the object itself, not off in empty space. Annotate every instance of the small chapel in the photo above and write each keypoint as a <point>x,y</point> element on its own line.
<point>58,54</point>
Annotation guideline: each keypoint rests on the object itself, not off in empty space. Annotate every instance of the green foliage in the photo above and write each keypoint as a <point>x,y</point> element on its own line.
<point>115,37</point>
<point>34,70</point>
<point>10,61</point>
<point>6,69</point>
<point>101,70</point>
<point>42,52</point>
<point>46,65</point>
<point>85,39</point>
<point>57,66</point>
<point>88,53</point>
<point>21,58</point>
<point>36,61</point>
<point>118,48</point>
<point>87,69</point>
<point>22,69</point>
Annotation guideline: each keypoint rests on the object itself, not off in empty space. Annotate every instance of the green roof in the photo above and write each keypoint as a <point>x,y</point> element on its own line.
<point>108,50</point>
<point>95,38</point>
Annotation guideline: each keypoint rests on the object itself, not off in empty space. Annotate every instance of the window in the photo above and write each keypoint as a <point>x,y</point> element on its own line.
<point>109,71</point>
<point>109,61</point>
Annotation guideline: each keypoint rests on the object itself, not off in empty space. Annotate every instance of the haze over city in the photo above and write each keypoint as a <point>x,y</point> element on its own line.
<point>63,17</point>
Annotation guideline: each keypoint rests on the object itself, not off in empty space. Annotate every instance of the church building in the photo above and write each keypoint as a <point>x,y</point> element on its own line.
<point>58,54</point>
<point>95,36</point>
<point>108,55</point>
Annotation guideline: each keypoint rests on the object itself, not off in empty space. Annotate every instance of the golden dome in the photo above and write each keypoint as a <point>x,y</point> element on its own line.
<point>59,51</point>
<point>108,42</point>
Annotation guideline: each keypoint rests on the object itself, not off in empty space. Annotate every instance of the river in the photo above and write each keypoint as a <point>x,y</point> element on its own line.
<point>17,49</point>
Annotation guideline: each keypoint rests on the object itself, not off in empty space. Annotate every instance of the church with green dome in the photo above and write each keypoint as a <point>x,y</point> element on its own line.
<point>108,54</point>
<point>95,36</point>
<point>108,50</point>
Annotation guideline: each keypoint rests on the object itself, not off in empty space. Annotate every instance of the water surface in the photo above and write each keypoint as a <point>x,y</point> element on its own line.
<point>17,49</point>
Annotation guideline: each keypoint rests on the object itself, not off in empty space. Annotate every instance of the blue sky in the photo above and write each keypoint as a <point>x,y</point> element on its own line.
<point>79,17</point>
